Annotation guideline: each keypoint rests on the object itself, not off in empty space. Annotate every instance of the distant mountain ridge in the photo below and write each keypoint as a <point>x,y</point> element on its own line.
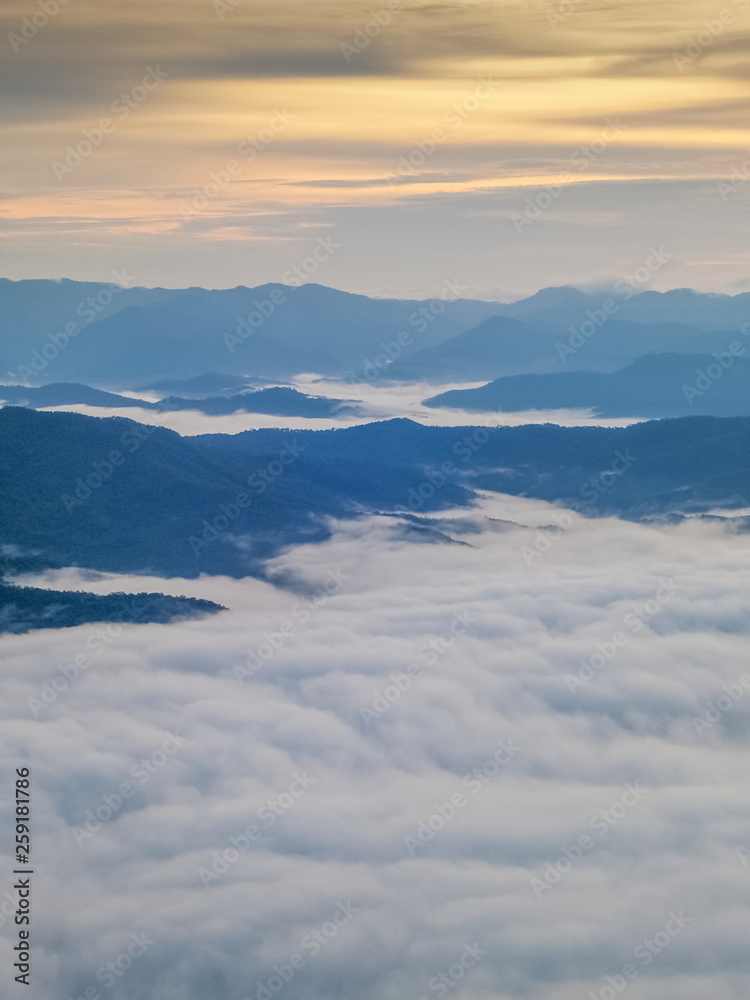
<point>502,346</point>
<point>65,394</point>
<point>665,385</point>
<point>565,305</point>
<point>118,337</point>
<point>199,386</point>
<point>283,401</point>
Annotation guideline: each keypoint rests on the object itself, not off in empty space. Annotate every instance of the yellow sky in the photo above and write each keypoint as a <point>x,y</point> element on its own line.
<point>333,99</point>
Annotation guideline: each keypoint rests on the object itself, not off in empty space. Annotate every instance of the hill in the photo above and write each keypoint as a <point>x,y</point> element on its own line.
<point>667,385</point>
<point>110,494</point>
<point>25,608</point>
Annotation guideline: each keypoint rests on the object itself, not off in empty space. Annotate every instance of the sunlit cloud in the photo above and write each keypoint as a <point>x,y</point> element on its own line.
<point>360,91</point>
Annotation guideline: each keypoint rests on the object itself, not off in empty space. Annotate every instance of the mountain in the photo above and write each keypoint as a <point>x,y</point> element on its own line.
<point>200,386</point>
<point>665,385</point>
<point>66,394</point>
<point>561,307</point>
<point>502,346</point>
<point>110,494</point>
<point>31,310</point>
<point>280,401</point>
<point>498,345</point>
<point>115,337</point>
<point>55,331</point>
<point>184,337</point>
<point>26,608</point>
<point>645,470</point>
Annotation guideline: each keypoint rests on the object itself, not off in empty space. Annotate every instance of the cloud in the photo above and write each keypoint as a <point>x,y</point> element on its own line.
<point>335,793</point>
<point>355,117</point>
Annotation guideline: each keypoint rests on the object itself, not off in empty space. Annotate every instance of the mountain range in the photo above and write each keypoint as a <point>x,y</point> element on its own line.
<point>281,401</point>
<point>117,337</point>
<point>502,346</point>
<point>665,385</point>
<point>114,495</point>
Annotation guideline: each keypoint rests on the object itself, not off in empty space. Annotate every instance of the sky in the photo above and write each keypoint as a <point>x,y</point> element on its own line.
<point>510,145</point>
<point>592,671</point>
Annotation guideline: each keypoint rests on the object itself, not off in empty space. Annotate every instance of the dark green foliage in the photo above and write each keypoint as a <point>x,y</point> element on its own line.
<point>26,608</point>
<point>154,511</point>
<point>222,504</point>
<point>687,464</point>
